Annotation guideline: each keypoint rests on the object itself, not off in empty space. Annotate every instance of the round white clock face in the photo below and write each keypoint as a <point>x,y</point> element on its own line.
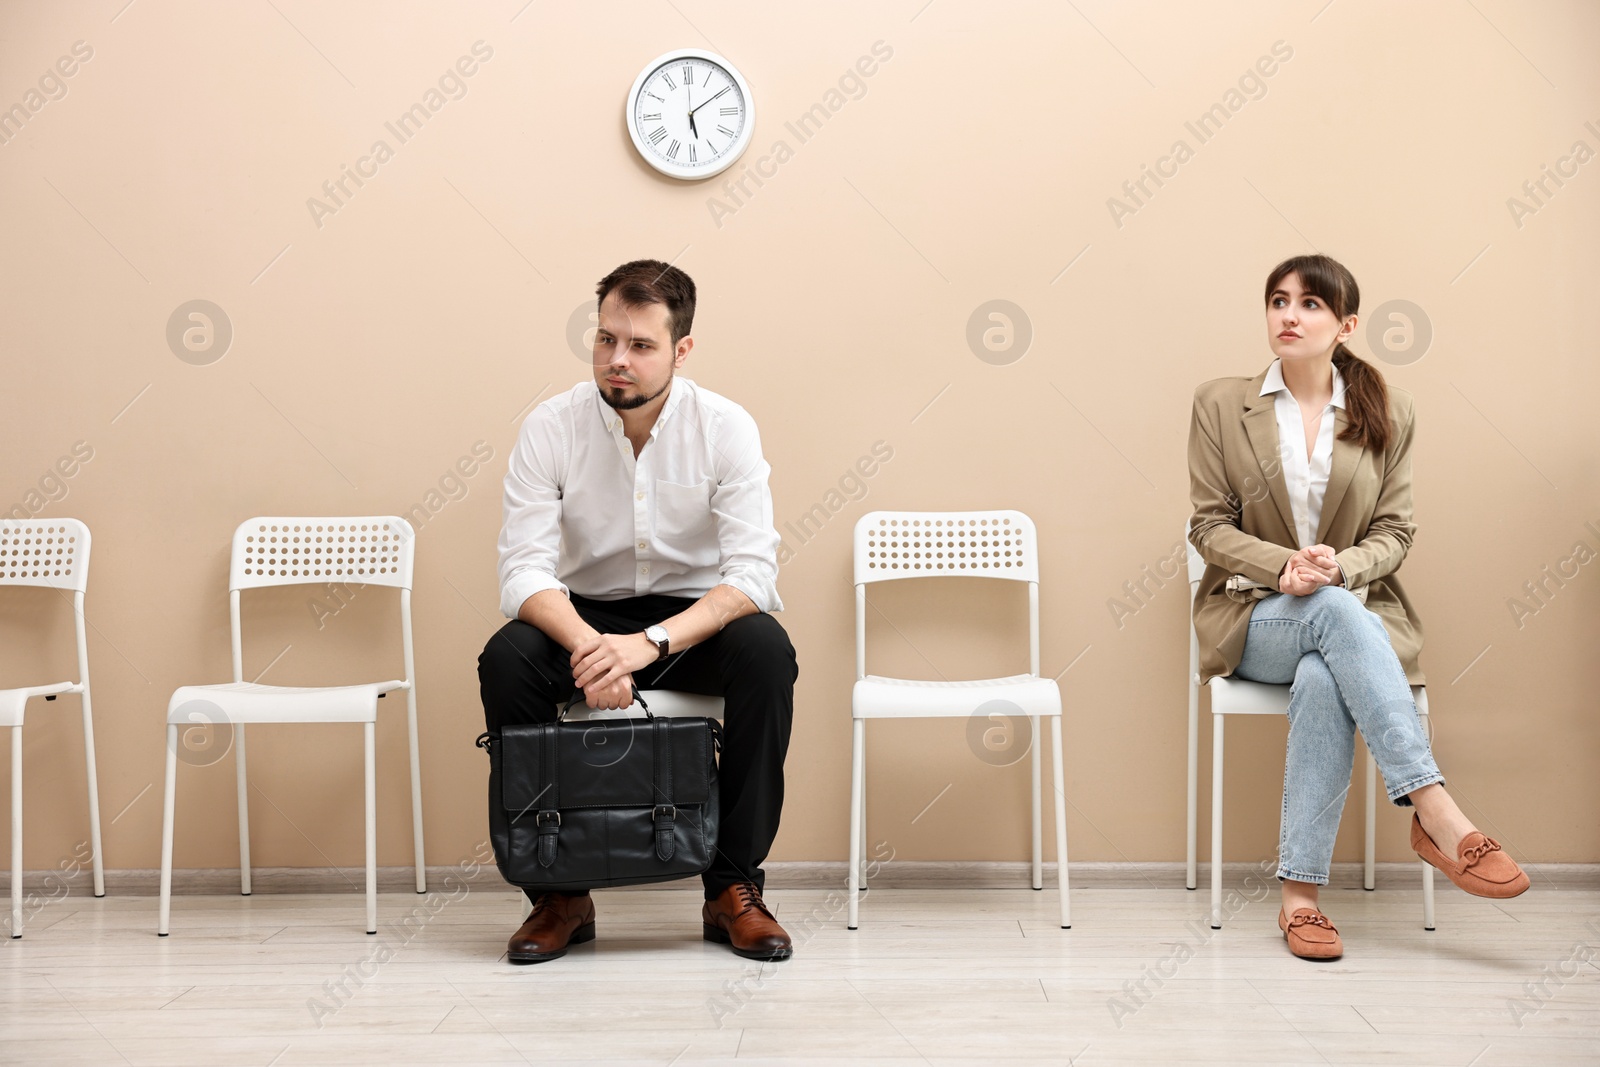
<point>690,114</point>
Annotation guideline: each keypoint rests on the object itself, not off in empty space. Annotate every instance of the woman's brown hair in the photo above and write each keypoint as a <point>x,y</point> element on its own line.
<point>1366,397</point>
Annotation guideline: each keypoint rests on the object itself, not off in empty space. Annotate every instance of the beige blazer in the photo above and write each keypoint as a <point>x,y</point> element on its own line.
<point>1243,523</point>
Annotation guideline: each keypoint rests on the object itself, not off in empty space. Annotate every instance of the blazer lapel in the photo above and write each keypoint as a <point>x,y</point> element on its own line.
<point>1261,425</point>
<point>1346,458</point>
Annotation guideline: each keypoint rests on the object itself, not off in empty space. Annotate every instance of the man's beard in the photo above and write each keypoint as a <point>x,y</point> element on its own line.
<point>614,397</point>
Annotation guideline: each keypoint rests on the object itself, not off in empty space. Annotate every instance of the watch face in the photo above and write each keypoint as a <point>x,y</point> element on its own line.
<point>690,114</point>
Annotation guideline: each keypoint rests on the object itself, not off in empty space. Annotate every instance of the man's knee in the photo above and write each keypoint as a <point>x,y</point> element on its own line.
<point>511,649</point>
<point>761,642</point>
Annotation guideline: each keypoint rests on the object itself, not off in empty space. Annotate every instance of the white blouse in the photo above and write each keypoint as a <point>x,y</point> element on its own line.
<point>1306,476</point>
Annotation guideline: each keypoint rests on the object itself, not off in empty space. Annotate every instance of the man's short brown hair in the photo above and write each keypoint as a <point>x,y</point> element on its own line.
<point>650,281</point>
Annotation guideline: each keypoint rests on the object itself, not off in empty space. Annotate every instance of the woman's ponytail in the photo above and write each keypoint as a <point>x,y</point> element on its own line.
<point>1366,400</point>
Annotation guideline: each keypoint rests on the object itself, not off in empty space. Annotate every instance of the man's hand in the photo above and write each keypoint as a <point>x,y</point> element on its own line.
<point>1308,570</point>
<point>599,662</point>
<point>618,694</point>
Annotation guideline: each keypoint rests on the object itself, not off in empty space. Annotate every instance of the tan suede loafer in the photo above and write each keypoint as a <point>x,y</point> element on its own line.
<point>1483,868</point>
<point>1310,935</point>
<point>557,920</point>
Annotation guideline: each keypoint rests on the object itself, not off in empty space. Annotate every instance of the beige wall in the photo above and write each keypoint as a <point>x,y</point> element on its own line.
<point>372,351</point>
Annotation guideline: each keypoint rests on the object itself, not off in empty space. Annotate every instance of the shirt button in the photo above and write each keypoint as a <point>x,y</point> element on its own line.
<point>638,496</point>
<point>641,544</point>
<point>644,570</point>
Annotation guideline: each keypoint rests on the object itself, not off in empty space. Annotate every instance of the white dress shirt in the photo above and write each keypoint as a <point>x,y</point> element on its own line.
<point>1306,476</point>
<point>584,516</point>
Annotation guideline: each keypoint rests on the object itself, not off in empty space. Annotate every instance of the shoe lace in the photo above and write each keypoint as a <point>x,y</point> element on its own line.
<point>1474,853</point>
<point>546,900</point>
<point>750,897</point>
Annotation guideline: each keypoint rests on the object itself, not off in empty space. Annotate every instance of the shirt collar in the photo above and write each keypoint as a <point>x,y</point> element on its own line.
<point>1274,383</point>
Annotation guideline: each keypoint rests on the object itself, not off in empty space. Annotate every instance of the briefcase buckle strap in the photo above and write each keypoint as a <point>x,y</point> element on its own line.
<point>549,824</point>
<point>666,842</point>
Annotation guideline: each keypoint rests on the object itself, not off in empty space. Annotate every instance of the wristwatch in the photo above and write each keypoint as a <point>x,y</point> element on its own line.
<point>657,635</point>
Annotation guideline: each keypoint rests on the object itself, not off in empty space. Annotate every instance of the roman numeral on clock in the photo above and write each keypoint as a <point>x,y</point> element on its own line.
<point>729,111</point>
<point>672,150</point>
<point>691,155</point>
<point>658,135</point>
<point>725,131</point>
<point>650,118</point>
<point>668,79</point>
<point>688,75</point>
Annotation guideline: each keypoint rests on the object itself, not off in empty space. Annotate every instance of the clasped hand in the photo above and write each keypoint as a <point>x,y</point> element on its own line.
<point>1308,570</point>
<point>603,666</point>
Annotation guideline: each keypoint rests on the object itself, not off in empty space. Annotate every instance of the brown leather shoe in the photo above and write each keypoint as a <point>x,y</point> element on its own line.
<point>1484,869</point>
<point>740,920</point>
<point>557,920</point>
<point>1310,935</point>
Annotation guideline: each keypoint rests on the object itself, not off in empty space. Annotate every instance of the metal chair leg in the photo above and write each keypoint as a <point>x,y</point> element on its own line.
<point>244,808</point>
<point>370,730</point>
<point>1216,821</point>
<point>858,768</point>
<point>1060,784</point>
<point>168,803</point>
<point>1036,741</point>
<point>1369,864</point>
<point>1427,896</point>
<point>16,831</point>
<point>416,789</point>
<point>94,796</point>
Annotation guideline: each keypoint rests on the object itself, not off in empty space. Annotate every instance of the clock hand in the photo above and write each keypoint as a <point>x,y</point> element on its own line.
<point>692,128</point>
<point>703,103</point>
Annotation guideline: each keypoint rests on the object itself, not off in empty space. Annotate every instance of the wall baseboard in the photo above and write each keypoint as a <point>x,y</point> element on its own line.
<point>828,874</point>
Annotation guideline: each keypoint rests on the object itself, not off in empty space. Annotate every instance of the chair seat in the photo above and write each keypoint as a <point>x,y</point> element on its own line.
<point>877,697</point>
<point>668,703</point>
<point>1240,696</point>
<point>12,701</point>
<point>247,702</point>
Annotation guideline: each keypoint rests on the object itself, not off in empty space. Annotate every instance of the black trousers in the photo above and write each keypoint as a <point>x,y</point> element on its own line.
<point>525,677</point>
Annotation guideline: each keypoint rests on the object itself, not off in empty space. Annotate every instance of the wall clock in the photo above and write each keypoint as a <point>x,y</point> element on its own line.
<point>690,114</point>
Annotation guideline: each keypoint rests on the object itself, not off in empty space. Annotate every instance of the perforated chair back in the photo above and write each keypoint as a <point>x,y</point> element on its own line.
<point>890,545</point>
<point>273,550</point>
<point>45,552</point>
<point>933,544</point>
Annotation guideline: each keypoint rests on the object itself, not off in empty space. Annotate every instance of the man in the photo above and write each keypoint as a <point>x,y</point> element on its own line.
<point>638,549</point>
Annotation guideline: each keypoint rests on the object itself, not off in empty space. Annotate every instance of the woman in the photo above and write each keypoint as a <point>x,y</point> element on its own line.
<point>1301,483</point>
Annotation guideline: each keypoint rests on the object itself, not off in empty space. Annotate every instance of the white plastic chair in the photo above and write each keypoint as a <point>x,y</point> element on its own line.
<point>271,551</point>
<point>1238,696</point>
<point>53,553</point>
<point>891,545</point>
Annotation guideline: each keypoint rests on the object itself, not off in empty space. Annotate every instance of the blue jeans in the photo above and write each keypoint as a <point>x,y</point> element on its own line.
<point>1343,676</point>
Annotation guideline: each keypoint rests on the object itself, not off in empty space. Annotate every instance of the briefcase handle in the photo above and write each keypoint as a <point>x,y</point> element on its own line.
<point>638,698</point>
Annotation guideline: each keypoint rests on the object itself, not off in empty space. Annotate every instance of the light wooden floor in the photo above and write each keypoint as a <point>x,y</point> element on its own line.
<point>933,976</point>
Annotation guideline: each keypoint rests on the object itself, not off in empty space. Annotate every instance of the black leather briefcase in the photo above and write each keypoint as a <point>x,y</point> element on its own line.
<point>607,802</point>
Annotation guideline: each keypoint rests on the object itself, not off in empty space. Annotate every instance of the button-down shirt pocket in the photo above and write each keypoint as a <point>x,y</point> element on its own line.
<point>683,512</point>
